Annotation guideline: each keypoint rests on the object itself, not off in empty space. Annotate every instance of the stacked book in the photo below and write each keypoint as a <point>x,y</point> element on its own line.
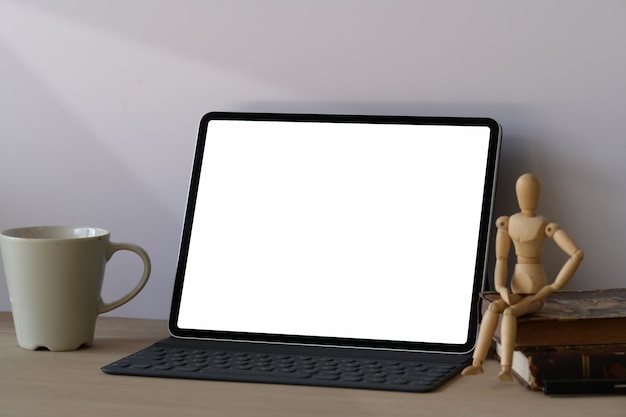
<point>577,335</point>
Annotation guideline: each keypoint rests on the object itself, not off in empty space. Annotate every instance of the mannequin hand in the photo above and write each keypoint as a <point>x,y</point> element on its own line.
<point>505,295</point>
<point>544,292</point>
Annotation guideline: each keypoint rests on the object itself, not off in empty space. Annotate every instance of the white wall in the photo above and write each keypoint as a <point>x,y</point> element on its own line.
<point>100,102</point>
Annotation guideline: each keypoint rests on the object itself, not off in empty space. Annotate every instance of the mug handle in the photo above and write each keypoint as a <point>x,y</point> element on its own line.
<point>114,247</point>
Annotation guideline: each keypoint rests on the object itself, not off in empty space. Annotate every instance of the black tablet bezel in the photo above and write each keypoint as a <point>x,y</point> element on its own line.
<point>482,250</point>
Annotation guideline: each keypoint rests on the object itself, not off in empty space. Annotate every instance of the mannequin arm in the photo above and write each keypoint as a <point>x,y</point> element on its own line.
<point>567,244</point>
<point>503,246</point>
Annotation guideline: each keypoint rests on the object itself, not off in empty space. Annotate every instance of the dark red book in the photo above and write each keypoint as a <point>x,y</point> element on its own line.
<point>571,318</point>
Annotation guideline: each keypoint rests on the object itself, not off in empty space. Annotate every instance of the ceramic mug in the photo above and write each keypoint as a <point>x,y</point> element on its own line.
<point>54,276</point>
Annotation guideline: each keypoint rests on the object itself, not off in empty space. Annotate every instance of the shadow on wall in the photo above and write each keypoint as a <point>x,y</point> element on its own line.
<point>68,176</point>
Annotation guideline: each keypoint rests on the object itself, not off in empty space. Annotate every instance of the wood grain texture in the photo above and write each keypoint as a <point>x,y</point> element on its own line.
<point>68,384</point>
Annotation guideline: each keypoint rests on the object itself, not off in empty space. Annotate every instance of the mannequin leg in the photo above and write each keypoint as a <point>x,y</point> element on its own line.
<point>487,329</point>
<point>508,333</point>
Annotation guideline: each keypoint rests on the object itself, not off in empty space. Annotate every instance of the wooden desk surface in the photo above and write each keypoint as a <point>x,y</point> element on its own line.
<point>43,383</point>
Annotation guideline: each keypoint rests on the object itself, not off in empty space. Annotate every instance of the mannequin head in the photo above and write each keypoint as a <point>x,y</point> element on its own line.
<point>527,188</point>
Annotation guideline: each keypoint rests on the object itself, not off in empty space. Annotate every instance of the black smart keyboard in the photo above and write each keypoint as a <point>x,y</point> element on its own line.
<point>268,366</point>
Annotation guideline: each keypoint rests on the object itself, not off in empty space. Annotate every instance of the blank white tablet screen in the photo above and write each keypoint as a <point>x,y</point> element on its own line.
<point>357,230</point>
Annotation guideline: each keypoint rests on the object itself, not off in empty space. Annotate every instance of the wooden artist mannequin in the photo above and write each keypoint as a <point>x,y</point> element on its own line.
<point>529,285</point>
